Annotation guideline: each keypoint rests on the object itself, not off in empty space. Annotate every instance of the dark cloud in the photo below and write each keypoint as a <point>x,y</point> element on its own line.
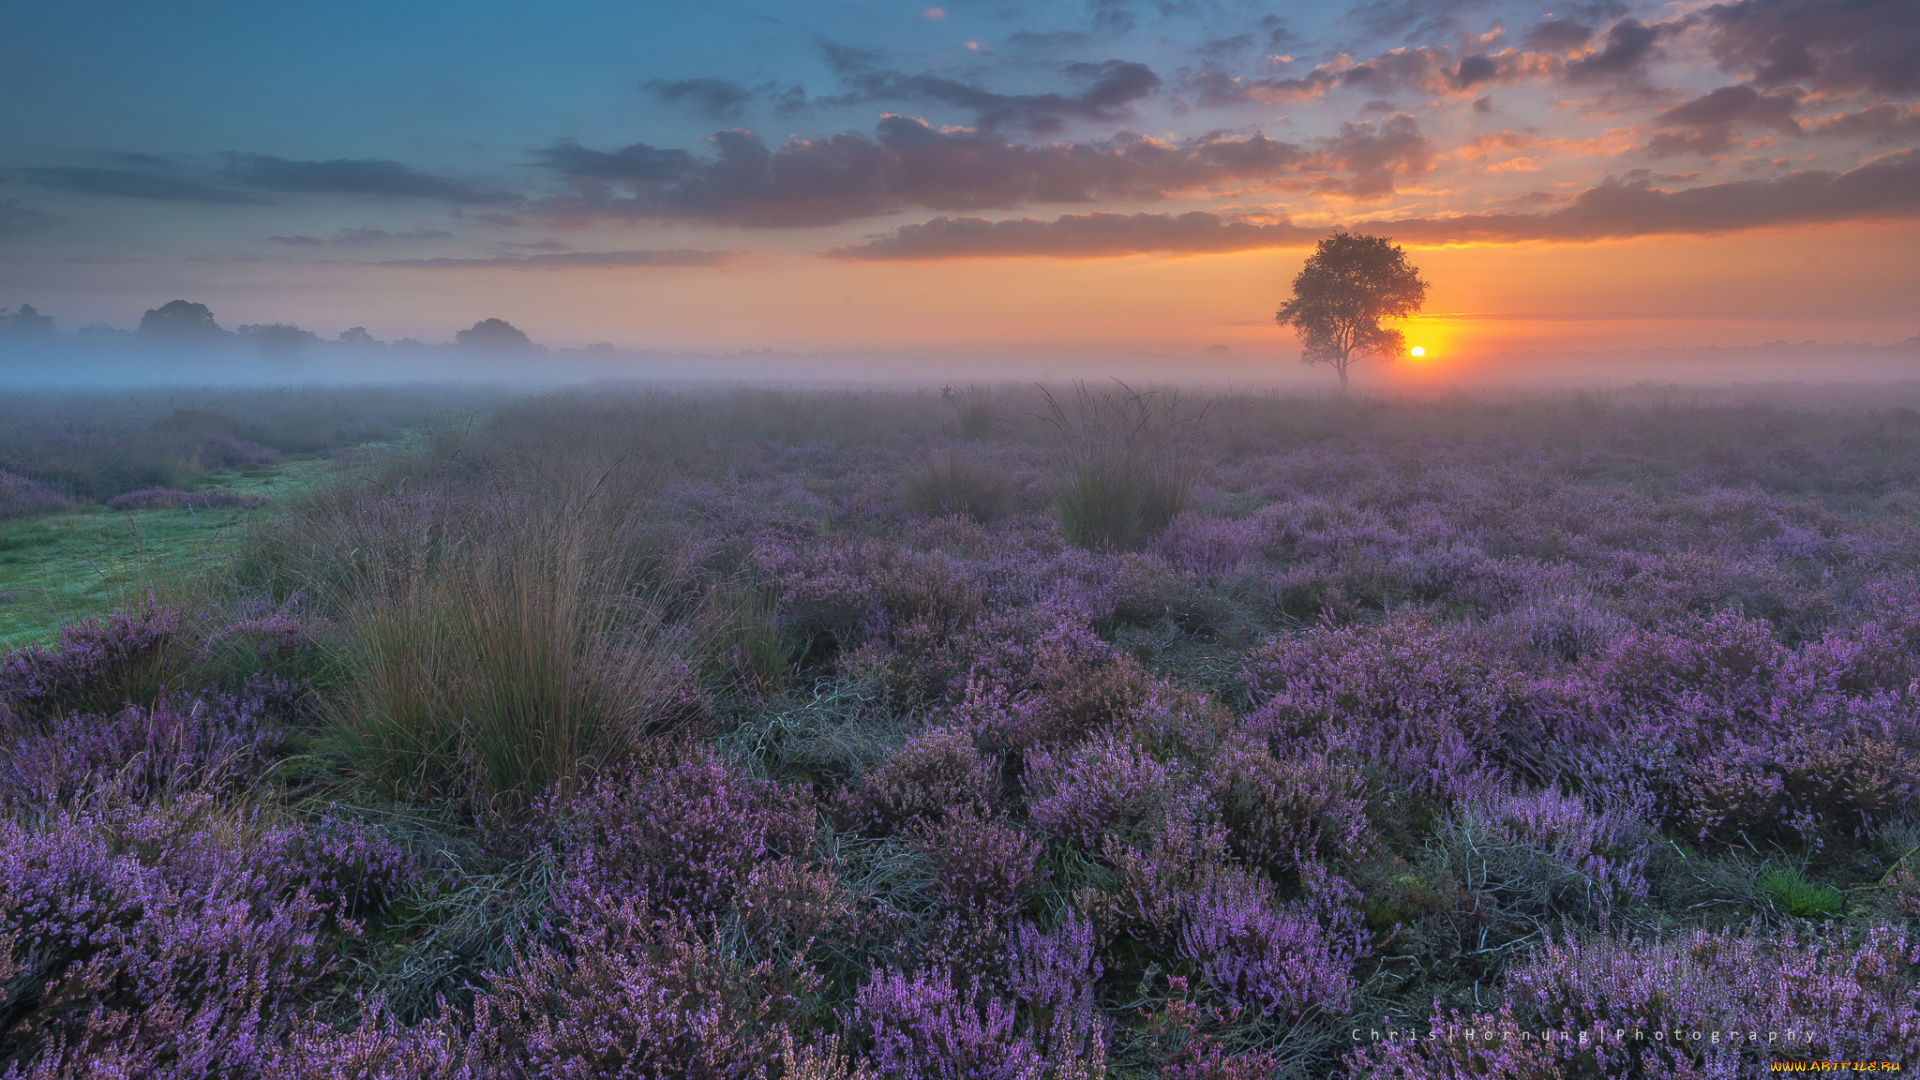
<point>1083,236</point>
<point>1423,69</point>
<point>1277,32</point>
<point>1846,45</point>
<point>670,257</point>
<point>1878,122</point>
<point>133,184</point>
<point>1629,45</point>
<point>1042,40</point>
<point>14,217</point>
<point>909,163</point>
<point>381,236</point>
<point>1110,90</point>
<point>358,176</point>
<point>1712,123</point>
<point>1111,16</point>
<point>718,98</point>
<point>1557,35</point>
<point>1885,189</point>
<point>361,236</point>
<point>1474,70</point>
<point>1227,47</point>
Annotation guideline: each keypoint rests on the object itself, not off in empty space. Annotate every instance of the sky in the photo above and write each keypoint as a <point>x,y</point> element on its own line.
<point>1089,176</point>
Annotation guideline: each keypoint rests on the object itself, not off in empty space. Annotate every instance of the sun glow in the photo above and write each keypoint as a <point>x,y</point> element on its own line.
<point>1419,351</point>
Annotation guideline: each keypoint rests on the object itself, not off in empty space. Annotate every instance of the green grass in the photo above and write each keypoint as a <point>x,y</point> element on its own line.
<point>83,563</point>
<point>1792,893</point>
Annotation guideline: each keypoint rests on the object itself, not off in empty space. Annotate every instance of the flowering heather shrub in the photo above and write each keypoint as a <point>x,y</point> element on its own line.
<point>1701,678</point>
<point>936,770</point>
<point>1838,995</point>
<point>378,1047</point>
<point>1053,975</point>
<point>173,499</point>
<point>925,1027</point>
<point>171,749</point>
<point>1257,953</point>
<point>1418,700</point>
<point>982,863</point>
<point>1068,691</point>
<point>20,497</point>
<point>1564,625</point>
<point>1105,786</point>
<point>1155,883</point>
<point>682,827</point>
<point>141,938</point>
<point>626,994</point>
<point>1804,783</point>
<point>97,667</point>
<point>1210,548</point>
<point>1611,846</point>
<point>1282,811</point>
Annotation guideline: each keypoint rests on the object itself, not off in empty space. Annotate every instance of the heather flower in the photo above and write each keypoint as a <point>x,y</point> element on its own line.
<point>686,830</point>
<point>98,667</point>
<point>1257,953</point>
<point>145,939</point>
<point>629,995</point>
<point>215,742</point>
<point>1606,852</point>
<point>982,863</point>
<point>1107,785</point>
<point>1280,811</point>
<point>928,1027</point>
<point>935,770</point>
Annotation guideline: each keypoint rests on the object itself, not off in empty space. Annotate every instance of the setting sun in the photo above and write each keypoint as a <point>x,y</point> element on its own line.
<point>1419,351</point>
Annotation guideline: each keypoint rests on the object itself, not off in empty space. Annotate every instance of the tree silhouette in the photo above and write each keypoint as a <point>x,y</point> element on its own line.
<point>280,341</point>
<point>26,322</point>
<point>1348,285</point>
<point>180,320</point>
<point>494,334</point>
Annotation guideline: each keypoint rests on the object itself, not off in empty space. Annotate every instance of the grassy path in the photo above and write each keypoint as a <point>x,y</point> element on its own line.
<point>57,568</point>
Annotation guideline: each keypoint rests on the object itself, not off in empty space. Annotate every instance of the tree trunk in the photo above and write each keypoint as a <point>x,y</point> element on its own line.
<point>1343,379</point>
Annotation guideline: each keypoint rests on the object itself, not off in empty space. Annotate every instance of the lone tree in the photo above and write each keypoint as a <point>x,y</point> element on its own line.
<point>1348,285</point>
<point>180,320</point>
<point>497,334</point>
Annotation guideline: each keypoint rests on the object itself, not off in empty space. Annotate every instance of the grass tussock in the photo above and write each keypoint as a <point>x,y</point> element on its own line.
<point>502,647</point>
<point>1122,473</point>
<point>953,484</point>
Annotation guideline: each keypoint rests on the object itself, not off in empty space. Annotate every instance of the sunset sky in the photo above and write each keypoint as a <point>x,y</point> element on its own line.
<point>978,176</point>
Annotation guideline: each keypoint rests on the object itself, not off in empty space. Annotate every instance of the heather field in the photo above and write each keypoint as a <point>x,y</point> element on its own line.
<point>993,733</point>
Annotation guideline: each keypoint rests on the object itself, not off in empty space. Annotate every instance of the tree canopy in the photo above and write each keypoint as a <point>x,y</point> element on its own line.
<point>494,334</point>
<point>180,319</point>
<point>1350,283</point>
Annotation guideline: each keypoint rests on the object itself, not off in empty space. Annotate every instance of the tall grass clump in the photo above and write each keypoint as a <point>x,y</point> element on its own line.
<point>950,485</point>
<point>972,410</point>
<point>1122,475</point>
<point>494,643</point>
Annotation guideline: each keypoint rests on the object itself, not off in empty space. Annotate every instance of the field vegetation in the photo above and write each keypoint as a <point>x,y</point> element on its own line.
<point>997,733</point>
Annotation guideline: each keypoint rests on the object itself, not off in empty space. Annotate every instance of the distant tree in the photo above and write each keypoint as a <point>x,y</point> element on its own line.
<point>180,320</point>
<point>1348,285</point>
<point>357,335</point>
<point>494,334</point>
<point>280,341</point>
<point>26,322</point>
